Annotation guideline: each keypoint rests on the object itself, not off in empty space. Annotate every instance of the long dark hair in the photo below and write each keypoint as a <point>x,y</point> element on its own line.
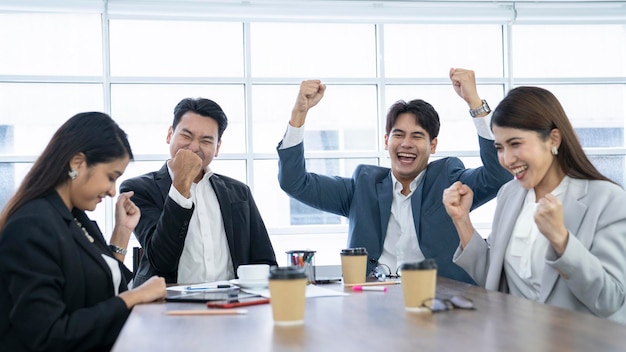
<point>536,109</point>
<point>94,134</point>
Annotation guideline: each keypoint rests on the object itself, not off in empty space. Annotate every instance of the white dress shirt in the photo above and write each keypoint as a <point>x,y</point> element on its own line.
<point>116,274</point>
<point>206,255</point>
<point>400,244</point>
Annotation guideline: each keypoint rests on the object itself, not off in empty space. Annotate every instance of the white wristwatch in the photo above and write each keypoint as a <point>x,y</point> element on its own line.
<point>483,109</point>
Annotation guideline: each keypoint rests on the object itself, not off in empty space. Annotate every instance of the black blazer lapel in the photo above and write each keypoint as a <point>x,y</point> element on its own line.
<point>77,233</point>
<point>163,180</point>
<point>224,199</point>
<point>95,249</point>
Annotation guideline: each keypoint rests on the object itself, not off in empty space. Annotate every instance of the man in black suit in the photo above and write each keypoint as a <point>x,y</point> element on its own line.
<point>196,226</point>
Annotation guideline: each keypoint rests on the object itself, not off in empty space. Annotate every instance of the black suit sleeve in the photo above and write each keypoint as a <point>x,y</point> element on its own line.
<point>248,240</point>
<point>162,227</point>
<point>261,250</point>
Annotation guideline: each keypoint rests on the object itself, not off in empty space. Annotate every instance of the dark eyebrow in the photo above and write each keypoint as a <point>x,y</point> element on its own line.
<point>512,139</point>
<point>420,133</point>
<point>507,141</point>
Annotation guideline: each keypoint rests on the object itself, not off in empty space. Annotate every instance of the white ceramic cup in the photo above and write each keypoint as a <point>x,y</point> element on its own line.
<point>253,272</point>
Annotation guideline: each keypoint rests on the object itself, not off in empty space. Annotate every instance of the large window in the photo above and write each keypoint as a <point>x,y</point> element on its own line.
<point>136,60</point>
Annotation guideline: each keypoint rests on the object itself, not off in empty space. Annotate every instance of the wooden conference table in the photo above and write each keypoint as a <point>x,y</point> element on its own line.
<point>377,321</point>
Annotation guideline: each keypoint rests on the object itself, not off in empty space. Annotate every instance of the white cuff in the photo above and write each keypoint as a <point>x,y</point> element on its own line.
<point>186,203</point>
<point>483,126</point>
<point>293,136</point>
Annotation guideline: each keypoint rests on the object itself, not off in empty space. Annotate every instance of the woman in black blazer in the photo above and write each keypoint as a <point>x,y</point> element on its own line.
<point>62,288</point>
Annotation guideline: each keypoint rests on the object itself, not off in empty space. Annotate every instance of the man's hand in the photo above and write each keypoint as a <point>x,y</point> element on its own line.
<point>311,92</point>
<point>186,166</point>
<point>464,83</point>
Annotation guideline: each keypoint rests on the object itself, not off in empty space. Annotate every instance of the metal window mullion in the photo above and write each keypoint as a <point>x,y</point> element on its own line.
<point>109,210</point>
<point>381,91</point>
<point>249,125</point>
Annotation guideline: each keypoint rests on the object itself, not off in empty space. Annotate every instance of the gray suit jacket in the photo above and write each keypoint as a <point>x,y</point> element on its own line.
<point>590,276</point>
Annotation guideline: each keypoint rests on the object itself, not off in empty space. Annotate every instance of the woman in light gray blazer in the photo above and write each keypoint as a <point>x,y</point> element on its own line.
<point>559,231</point>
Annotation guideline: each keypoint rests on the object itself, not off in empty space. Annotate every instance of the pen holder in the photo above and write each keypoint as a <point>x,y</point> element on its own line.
<point>303,259</point>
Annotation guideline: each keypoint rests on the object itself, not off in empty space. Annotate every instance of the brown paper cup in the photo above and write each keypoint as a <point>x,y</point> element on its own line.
<point>419,283</point>
<point>353,265</point>
<point>288,295</point>
<point>353,269</point>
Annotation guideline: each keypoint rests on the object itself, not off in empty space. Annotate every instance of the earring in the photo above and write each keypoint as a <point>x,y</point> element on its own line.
<point>555,151</point>
<point>72,174</point>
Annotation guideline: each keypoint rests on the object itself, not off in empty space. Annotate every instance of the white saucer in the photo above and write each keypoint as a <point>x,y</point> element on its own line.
<point>252,285</point>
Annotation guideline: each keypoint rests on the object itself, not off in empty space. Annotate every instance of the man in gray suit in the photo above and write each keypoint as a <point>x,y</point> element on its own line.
<point>397,213</point>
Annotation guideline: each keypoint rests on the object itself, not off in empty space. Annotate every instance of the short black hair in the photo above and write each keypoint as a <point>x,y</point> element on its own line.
<point>203,107</point>
<point>425,115</point>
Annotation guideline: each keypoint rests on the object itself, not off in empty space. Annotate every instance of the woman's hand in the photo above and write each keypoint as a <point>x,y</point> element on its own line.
<point>150,291</point>
<point>549,220</point>
<point>127,214</point>
<point>458,200</point>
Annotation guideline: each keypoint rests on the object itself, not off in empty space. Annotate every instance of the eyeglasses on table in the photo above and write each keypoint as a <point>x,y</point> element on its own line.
<point>382,272</point>
<point>444,304</point>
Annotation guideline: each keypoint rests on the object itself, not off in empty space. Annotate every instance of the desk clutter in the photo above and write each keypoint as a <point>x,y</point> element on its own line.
<point>287,288</point>
<point>498,322</point>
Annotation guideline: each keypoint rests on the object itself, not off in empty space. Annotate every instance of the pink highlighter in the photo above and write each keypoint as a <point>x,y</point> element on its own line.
<point>369,288</point>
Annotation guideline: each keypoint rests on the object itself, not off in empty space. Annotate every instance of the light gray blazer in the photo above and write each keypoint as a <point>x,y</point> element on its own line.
<point>590,276</point>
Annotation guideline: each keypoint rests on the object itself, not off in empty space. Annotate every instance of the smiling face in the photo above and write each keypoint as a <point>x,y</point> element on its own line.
<point>409,147</point>
<point>95,182</point>
<point>196,133</point>
<point>529,157</point>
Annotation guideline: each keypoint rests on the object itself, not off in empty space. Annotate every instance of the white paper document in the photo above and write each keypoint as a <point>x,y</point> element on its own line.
<point>311,292</point>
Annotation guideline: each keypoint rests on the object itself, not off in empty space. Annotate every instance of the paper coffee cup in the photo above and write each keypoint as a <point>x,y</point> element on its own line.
<point>419,283</point>
<point>288,295</point>
<point>353,265</point>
